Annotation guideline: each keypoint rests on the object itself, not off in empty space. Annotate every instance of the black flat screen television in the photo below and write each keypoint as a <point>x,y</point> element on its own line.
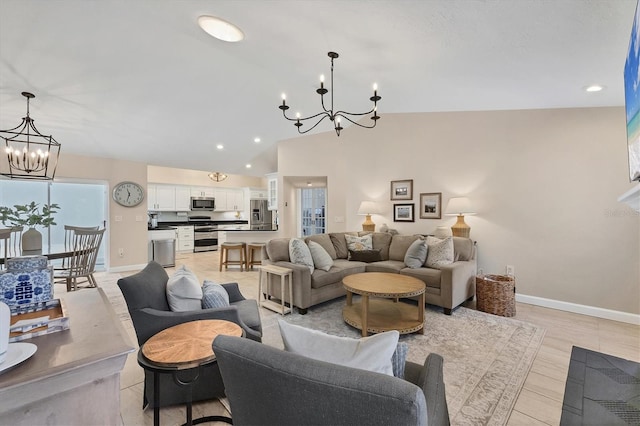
<point>632,99</point>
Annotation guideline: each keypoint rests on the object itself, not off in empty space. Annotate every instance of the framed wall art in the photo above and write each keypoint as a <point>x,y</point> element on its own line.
<point>431,205</point>
<point>403,212</point>
<point>402,189</point>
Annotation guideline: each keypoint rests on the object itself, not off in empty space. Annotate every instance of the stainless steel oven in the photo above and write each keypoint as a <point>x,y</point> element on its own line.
<point>205,234</point>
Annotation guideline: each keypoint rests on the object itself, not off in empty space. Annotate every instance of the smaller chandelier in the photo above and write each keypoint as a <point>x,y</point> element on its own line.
<point>28,153</point>
<point>329,113</point>
<point>217,176</point>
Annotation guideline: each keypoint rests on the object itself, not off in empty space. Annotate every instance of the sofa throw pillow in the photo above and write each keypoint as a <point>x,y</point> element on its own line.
<point>366,256</point>
<point>356,243</point>
<point>440,252</point>
<point>371,353</point>
<point>321,259</point>
<point>183,291</point>
<point>214,295</point>
<point>399,358</point>
<point>416,254</point>
<point>299,253</point>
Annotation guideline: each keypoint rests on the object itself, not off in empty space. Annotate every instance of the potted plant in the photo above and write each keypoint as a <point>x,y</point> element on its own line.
<point>29,215</point>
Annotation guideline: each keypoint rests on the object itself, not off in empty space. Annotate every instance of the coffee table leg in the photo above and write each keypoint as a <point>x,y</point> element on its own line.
<point>349,298</point>
<point>156,399</point>
<point>421,312</point>
<point>365,315</point>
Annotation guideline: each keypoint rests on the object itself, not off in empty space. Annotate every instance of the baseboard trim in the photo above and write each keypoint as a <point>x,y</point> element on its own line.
<point>127,268</point>
<point>580,309</point>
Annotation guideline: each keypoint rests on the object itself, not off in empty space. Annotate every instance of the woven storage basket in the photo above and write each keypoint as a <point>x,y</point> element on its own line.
<point>496,294</point>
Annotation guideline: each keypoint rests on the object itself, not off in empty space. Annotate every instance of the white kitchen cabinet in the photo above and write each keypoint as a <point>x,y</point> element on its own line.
<point>202,191</point>
<point>272,189</point>
<point>235,199</point>
<point>221,200</point>
<point>183,198</point>
<point>259,194</point>
<point>185,238</point>
<point>229,199</point>
<point>161,197</point>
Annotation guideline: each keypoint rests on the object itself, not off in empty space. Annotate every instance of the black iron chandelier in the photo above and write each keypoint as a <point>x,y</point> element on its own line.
<point>329,113</point>
<point>28,153</point>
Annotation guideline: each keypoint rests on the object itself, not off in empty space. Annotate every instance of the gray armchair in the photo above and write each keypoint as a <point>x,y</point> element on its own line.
<point>145,294</point>
<point>272,387</point>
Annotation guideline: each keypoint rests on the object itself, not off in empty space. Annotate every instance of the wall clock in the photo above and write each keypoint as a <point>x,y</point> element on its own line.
<point>128,194</point>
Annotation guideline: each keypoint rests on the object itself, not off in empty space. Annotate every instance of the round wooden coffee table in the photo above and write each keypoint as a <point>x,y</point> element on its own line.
<point>384,312</point>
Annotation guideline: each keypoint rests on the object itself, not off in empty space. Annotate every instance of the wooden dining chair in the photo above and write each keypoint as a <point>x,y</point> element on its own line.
<point>82,263</point>
<point>69,231</point>
<point>10,243</point>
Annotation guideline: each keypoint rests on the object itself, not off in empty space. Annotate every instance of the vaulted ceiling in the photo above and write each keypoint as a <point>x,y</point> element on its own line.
<point>139,80</point>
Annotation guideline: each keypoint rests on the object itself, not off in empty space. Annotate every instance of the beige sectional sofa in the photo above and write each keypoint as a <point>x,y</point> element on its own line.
<point>447,287</point>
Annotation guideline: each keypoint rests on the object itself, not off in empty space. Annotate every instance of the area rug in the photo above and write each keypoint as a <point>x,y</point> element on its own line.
<point>601,389</point>
<point>486,357</point>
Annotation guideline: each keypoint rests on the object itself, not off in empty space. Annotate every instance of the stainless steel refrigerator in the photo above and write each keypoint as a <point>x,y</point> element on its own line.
<point>260,216</point>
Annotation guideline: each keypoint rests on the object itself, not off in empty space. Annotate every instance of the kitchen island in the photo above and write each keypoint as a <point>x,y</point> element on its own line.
<point>244,235</point>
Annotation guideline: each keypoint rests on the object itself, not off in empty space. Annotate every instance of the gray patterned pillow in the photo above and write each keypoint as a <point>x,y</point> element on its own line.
<point>214,295</point>
<point>399,358</point>
<point>440,252</point>
<point>299,253</point>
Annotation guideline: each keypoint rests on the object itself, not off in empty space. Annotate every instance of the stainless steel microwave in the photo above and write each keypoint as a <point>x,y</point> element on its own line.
<point>203,203</point>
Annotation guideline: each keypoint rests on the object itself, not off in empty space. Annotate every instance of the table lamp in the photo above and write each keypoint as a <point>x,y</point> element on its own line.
<point>367,208</point>
<point>459,206</point>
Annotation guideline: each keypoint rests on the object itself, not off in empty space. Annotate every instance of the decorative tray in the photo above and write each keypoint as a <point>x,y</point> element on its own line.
<point>36,319</point>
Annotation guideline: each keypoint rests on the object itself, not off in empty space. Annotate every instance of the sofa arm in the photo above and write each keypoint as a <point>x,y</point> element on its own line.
<point>457,282</point>
<point>301,283</point>
<point>150,321</point>
<point>429,377</point>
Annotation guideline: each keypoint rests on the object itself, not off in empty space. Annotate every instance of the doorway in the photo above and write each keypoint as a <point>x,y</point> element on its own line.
<point>313,202</point>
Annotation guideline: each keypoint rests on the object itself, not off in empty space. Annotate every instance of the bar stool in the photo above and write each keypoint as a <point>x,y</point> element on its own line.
<point>251,247</point>
<point>225,248</point>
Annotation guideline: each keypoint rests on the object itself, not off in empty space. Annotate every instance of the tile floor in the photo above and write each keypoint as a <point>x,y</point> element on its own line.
<point>539,403</point>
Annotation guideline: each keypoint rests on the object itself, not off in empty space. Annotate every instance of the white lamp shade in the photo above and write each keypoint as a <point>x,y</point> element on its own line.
<point>459,206</point>
<point>368,207</point>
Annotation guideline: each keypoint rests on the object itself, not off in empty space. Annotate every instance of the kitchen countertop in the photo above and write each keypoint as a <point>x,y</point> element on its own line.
<point>161,228</point>
<point>216,222</point>
<point>251,230</point>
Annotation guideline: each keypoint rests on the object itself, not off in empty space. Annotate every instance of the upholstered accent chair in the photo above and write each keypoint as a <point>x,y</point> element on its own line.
<point>269,386</point>
<point>145,294</point>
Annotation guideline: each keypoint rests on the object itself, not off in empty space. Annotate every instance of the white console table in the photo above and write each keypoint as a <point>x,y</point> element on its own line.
<point>74,376</point>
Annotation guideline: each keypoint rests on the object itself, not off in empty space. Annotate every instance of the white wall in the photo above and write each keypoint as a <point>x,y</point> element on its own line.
<point>544,182</point>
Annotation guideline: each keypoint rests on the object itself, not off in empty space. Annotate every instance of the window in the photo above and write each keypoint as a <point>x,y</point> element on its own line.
<point>81,204</point>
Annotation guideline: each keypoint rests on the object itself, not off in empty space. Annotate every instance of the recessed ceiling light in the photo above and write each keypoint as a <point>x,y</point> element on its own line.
<point>594,88</point>
<point>257,140</point>
<point>220,29</point>
<point>248,166</point>
<point>220,146</point>
<point>308,183</point>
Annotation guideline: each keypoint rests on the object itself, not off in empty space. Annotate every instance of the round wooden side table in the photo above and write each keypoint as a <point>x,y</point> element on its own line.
<point>183,347</point>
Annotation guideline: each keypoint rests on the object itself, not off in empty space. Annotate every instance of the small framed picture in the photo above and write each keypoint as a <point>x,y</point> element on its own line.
<point>431,205</point>
<point>402,189</point>
<point>403,212</point>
